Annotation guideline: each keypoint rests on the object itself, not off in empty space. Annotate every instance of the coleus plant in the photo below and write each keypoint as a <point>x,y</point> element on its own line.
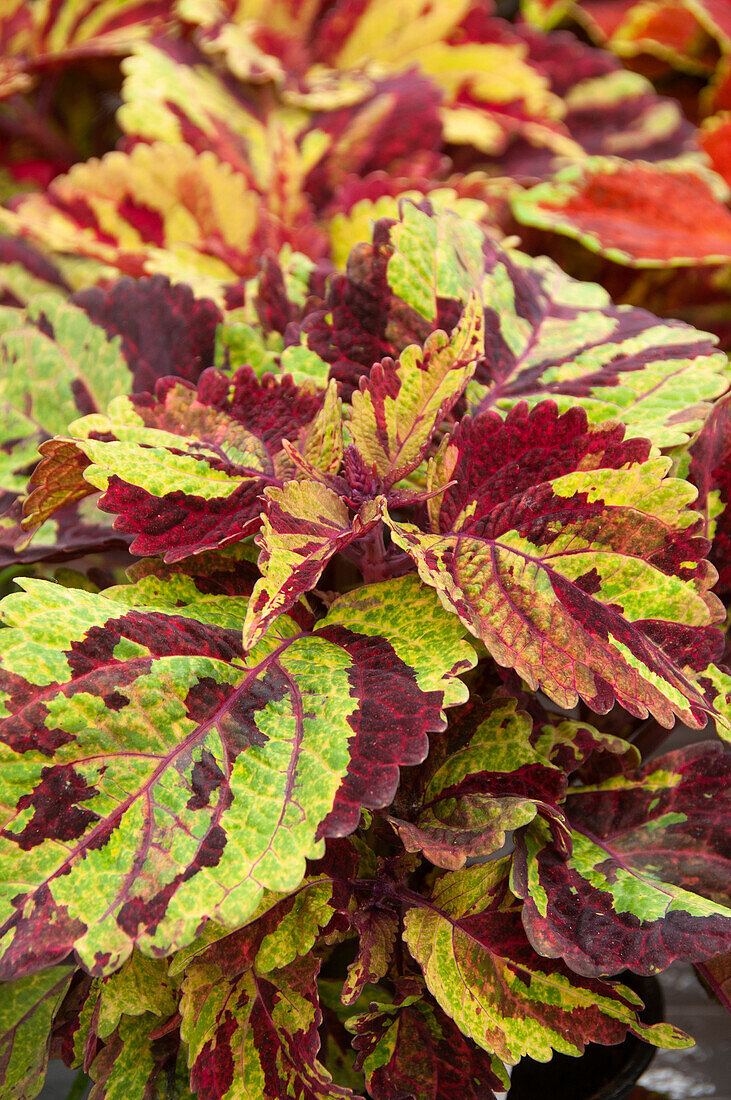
<point>323,767</point>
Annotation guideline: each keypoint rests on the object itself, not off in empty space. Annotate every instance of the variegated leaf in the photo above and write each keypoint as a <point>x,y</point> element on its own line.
<point>160,775</point>
<point>159,209</point>
<point>134,1010</point>
<point>398,408</point>
<point>715,682</point>
<point>559,338</point>
<point>182,471</point>
<point>398,117</point>
<point>304,525</point>
<point>414,278</point>
<point>137,1061</point>
<point>638,214</point>
<point>142,985</point>
<point>560,547</point>
<point>321,445</point>
<point>491,782</point>
<point>710,472</point>
<point>668,31</point>
<point>254,1035</point>
<point>26,273</point>
<point>74,530</point>
<point>77,28</point>
<point>28,1008</point>
<point>547,335</point>
<point>610,111</point>
<point>172,94</point>
<point>478,965</point>
<point>392,422</point>
<point>409,1047</point>
<point>63,359</point>
<point>569,744</point>
<point>192,582</point>
<point>283,927</point>
<point>377,929</point>
<point>56,366</point>
<point>647,880</point>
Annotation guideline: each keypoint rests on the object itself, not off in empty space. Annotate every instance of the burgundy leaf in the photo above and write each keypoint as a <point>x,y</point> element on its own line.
<point>164,328</point>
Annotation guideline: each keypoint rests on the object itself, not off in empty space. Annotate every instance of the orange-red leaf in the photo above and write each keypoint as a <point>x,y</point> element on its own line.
<point>638,214</point>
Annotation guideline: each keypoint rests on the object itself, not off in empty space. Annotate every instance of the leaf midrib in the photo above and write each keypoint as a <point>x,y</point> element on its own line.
<point>143,791</point>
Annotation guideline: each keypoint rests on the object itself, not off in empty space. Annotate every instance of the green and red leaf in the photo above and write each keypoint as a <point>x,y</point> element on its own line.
<point>494,782</point>
<point>397,409</point>
<point>28,1007</point>
<point>638,214</point>
<point>304,525</point>
<point>647,880</point>
<point>560,547</point>
<point>255,1034</point>
<point>478,965</point>
<point>142,985</point>
<point>559,338</point>
<point>409,1047</point>
<point>377,928</point>
<point>141,1058</point>
<point>183,470</point>
<point>710,472</point>
<point>206,775</point>
<point>546,334</point>
<point>282,928</point>
<point>569,744</point>
<point>393,418</point>
<point>172,94</point>
<point>25,273</point>
<point>63,359</point>
<point>414,278</point>
<point>57,366</point>
<point>607,111</point>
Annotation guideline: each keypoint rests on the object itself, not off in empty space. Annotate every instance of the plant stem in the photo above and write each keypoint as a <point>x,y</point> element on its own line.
<point>374,560</point>
<point>374,552</point>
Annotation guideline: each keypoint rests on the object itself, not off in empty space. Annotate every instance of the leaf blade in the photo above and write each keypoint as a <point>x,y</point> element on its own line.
<point>396,411</point>
<point>206,775</point>
<point>646,863</point>
<point>532,588</point>
<point>470,945</point>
